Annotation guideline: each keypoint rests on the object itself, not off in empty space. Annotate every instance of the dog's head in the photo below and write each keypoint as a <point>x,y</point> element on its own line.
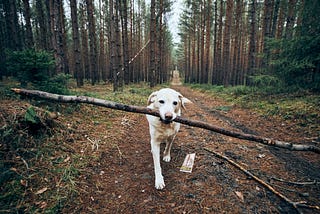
<point>168,102</point>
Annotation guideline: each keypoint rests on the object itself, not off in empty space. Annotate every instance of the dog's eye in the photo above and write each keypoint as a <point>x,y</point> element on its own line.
<point>161,101</point>
<point>175,103</point>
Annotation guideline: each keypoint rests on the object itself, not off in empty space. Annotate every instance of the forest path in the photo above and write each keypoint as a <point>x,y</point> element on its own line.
<point>176,80</point>
<point>121,179</point>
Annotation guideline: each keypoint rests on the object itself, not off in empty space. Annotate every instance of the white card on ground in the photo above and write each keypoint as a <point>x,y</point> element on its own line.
<point>188,163</point>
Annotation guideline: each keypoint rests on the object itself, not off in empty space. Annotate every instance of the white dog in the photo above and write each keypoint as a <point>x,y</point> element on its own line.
<point>169,104</point>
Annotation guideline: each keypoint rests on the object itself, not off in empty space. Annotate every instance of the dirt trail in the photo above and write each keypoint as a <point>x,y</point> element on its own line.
<point>121,180</point>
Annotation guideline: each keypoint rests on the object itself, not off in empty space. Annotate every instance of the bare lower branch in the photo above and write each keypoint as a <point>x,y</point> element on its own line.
<point>144,110</point>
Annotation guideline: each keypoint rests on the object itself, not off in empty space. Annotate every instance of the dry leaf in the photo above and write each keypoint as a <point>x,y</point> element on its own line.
<point>240,195</point>
<point>67,159</point>
<point>13,169</point>
<point>23,183</point>
<point>41,191</point>
<point>42,204</point>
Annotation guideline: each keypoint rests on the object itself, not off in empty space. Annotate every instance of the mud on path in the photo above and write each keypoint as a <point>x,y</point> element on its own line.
<point>120,177</point>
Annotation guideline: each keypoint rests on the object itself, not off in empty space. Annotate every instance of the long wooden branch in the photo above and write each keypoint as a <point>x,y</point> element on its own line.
<point>144,110</point>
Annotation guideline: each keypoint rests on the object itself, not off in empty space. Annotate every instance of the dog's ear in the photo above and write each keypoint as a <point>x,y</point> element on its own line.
<point>151,98</point>
<point>184,101</point>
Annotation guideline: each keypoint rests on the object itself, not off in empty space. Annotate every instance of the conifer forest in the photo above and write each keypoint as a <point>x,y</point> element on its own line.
<point>223,42</point>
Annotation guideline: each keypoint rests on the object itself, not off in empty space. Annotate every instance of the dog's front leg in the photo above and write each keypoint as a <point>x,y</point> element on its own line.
<point>155,149</point>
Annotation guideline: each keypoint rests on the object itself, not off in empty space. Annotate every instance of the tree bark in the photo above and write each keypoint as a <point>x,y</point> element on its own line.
<point>42,32</point>
<point>84,41</point>
<point>226,43</point>
<point>208,43</point>
<point>252,42</point>
<point>218,59</point>
<point>13,37</point>
<point>27,17</point>
<point>144,110</point>
<point>78,72</point>
<point>118,46</point>
<point>290,20</point>
<point>125,42</point>
<point>152,69</point>
<point>92,42</point>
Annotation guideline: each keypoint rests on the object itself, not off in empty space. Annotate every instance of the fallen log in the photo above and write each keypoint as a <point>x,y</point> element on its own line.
<point>144,110</point>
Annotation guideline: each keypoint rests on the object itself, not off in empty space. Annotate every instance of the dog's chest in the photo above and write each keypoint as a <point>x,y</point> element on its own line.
<point>165,131</point>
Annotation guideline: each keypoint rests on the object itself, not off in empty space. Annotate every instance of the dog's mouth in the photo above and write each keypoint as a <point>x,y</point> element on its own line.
<point>165,121</point>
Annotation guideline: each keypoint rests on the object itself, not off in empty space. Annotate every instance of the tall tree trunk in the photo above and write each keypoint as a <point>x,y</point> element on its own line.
<point>27,17</point>
<point>152,69</point>
<point>58,38</point>
<point>236,47</point>
<point>63,38</point>
<point>266,31</point>
<point>252,41</point>
<point>207,73</point>
<point>243,54</point>
<point>280,24</point>
<point>226,43</point>
<point>202,42</point>
<point>115,46</point>
<point>215,45</point>
<point>290,20</point>
<point>160,71</point>
<point>12,32</point>
<point>92,42</point>
<point>43,27</point>
<point>218,60</point>
<point>139,76</point>
<point>131,68</point>
<point>102,57</point>
<point>76,44</point>
<point>118,47</point>
<point>112,45</point>
<point>275,18</point>
<point>84,40</point>
<point>125,44</point>
<point>56,32</point>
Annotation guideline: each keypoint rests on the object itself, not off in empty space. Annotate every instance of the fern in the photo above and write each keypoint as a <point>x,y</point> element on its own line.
<point>31,116</point>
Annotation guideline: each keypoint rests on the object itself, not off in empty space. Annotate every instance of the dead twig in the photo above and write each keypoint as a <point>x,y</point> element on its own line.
<point>25,163</point>
<point>295,205</point>
<point>296,183</point>
<point>304,194</point>
<point>144,110</point>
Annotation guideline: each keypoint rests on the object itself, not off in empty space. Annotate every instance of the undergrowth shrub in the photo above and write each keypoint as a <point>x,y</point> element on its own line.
<point>35,67</point>
<point>32,155</point>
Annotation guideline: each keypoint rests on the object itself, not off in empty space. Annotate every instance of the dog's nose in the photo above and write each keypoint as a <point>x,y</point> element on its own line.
<point>168,116</point>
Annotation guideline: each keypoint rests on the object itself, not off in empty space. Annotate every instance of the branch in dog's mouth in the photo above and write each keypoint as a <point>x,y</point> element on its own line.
<point>143,110</point>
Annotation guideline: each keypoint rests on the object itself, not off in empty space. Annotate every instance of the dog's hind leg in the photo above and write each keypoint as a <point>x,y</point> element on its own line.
<point>166,153</point>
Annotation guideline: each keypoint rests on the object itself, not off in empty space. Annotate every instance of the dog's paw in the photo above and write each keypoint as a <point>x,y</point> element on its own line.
<point>159,184</point>
<point>167,158</point>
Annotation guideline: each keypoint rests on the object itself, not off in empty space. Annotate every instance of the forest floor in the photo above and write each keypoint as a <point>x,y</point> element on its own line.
<point>105,165</point>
